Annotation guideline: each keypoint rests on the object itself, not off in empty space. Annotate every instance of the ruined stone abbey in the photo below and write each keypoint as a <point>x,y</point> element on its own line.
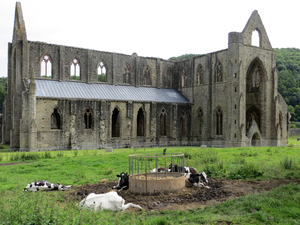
<point>62,97</point>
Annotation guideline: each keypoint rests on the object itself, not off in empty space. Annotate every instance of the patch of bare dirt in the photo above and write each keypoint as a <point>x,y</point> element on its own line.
<point>190,198</point>
<point>13,163</point>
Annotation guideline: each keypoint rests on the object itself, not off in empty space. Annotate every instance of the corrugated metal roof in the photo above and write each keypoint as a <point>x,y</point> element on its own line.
<point>57,89</point>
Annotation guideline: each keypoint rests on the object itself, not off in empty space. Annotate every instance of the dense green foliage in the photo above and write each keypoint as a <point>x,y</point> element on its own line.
<point>280,206</point>
<point>186,56</point>
<point>3,90</point>
<point>288,66</point>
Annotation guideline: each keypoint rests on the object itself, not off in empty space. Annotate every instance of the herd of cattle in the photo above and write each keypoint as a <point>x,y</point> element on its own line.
<point>111,200</point>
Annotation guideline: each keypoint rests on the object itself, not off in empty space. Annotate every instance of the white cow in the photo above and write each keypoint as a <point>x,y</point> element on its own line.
<point>110,200</point>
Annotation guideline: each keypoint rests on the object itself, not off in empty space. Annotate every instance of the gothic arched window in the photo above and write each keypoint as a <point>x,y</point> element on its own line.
<point>219,72</point>
<point>75,69</point>
<point>219,121</point>
<point>102,72</point>
<point>147,77</point>
<point>200,121</point>
<point>55,119</point>
<point>199,75</point>
<point>183,124</point>
<point>46,67</point>
<point>168,80</point>
<point>163,123</point>
<point>88,118</point>
<point>126,74</point>
<point>183,78</point>
<point>140,123</point>
<point>115,124</point>
<point>255,38</point>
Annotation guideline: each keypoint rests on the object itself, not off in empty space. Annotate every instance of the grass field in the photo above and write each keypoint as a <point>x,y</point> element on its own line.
<point>91,166</point>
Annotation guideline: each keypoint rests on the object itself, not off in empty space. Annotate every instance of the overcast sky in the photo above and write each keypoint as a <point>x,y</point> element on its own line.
<point>154,28</point>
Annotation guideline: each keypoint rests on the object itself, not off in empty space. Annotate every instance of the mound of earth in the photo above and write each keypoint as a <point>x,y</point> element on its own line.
<point>190,198</point>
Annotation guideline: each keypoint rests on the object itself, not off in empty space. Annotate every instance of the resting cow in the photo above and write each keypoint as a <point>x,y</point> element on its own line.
<point>159,169</point>
<point>123,182</point>
<point>180,169</point>
<point>196,179</point>
<point>42,185</point>
<point>111,201</point>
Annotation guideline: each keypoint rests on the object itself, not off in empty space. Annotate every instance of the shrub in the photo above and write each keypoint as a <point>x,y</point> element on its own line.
<point>187,155</point>
<point>209,157</point>
<point>60,154</point>
<point>239,160</point>
<point>287,163</point>
<point>47,155</point>
<point>215,171</point>
<point>75,153</point>
<point>245,171</point>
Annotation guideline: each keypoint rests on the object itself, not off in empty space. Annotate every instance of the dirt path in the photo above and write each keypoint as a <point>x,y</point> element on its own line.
<point>190,198</point>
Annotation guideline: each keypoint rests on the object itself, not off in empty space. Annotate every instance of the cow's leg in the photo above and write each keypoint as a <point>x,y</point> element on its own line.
<point>120,189</point>
<point>200,185</point>
<point>124,207</point>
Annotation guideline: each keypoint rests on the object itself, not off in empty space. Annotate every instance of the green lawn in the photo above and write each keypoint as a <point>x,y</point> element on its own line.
<point>281,205</point>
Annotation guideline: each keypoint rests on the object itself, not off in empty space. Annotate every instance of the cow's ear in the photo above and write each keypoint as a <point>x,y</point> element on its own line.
<point>118,175</point>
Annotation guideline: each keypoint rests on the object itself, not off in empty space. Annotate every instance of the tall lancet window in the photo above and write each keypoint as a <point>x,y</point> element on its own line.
<point>126,74</point>
<point>183,124</point>
<point>55,119</point>
<point>163,123</point>
<point>200,121</point>
<point>219,121</point>
<point>168,80</point>
<point>46,67</point>
<point>75,69</point>
<point>140,123</point>
<point>115,123</point>
<point>199,75</point>
<point>219,72</point>
<point>88,118</point>
<point>102,72</point>
<point>183,78</point>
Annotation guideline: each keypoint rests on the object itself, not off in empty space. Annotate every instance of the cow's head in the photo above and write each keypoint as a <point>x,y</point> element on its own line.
<point>123,180</point>
<point>173,167</point>
<point>203,177</point>
<point>63,187</point>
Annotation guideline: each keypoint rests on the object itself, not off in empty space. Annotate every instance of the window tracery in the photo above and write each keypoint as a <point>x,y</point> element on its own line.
<point>126,74</point>
<point>46,67</point>
<point>199,75</point>
<point>102,72</point>
<point>219,72</point>
<point>75,69</point>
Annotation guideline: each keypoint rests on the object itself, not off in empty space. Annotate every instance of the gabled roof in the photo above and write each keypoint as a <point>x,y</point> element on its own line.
<point>78,90</point>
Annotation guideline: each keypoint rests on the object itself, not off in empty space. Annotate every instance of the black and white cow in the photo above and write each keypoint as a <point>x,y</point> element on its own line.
<point>180,169</point>
<point>159,169</point>
<point>42,185</point>
<point>196,179</point>
<point>123,182</point>
<point>111,201</point>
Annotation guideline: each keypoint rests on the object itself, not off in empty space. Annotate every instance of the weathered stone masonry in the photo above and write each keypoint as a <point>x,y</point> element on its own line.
<point>226,98</point>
